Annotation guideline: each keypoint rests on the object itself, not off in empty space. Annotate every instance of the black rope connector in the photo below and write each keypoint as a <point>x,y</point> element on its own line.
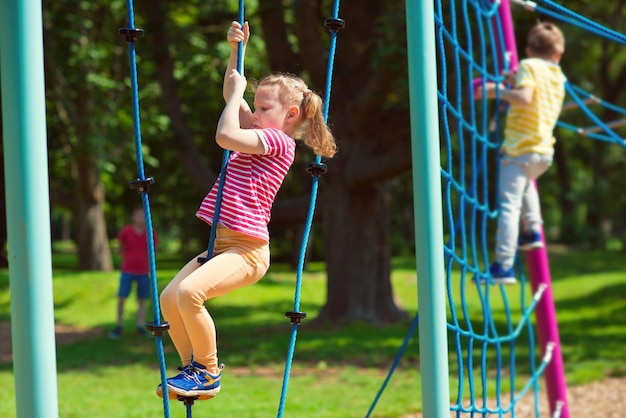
<point>316,169</point>
<point>203,260</point>
<point>188,400</point>
<point>295,317</point>
<point>157,330</point>
<point>142,185</point>
<point>130,34</point>
<point>334,24</point>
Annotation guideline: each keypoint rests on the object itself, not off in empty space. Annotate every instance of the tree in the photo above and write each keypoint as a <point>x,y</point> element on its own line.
<point>83,93</point>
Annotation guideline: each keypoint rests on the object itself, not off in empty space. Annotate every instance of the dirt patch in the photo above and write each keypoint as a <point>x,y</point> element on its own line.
<point>603,399</point>
<point>63,335</point>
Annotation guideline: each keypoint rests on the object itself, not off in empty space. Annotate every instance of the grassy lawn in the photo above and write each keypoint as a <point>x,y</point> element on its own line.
<point>336,371</point>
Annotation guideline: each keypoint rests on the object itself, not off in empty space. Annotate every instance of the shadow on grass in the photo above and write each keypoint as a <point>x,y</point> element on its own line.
<point>266,342</point>
<point>242,343</point>
<point>569,264</point>
<point>246,344</point>
<point>600,336</point>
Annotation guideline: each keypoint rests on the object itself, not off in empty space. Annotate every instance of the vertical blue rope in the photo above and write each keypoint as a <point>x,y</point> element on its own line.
<point>226,155</point>
<point>309,219</point>
<point>146,206</point>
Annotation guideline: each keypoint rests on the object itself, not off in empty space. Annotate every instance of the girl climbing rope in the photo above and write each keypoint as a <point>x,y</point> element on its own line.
<point>263,149</point>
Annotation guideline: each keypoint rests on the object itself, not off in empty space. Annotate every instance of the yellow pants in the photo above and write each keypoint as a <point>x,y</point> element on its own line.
<point>238,260</point>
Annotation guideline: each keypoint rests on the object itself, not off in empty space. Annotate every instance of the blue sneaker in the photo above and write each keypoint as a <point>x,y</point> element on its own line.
<point>170,394</point>
<point>529,240</point>
<point>498,275</point>
<point>196,381</point>
<point>186,370</point>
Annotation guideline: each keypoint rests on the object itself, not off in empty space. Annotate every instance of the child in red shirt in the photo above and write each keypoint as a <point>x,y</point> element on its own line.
<point>133,246</point>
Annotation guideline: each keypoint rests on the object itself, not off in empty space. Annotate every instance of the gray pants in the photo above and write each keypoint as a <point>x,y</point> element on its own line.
<point>518,199</point>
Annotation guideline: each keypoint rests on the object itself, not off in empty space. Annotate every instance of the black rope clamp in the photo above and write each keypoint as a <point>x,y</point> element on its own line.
<point>130,34</point>
<point>334,24</point>
<point>142,185</point>
<point>203,260</point>
<point>157,330</point>
<point>188,400</point>
<point>295,317</point>
<point>316,169</point>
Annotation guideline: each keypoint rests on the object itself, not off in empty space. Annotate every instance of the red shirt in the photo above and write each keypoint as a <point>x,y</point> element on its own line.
<point>134,248</point>
<point>250,186</point>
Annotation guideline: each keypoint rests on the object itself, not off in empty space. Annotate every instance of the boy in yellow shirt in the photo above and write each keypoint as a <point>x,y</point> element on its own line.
<point>528,147</point>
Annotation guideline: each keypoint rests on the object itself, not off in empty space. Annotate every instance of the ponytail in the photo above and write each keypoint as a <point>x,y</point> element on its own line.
<point>317,134</point>
<point>294,92</point>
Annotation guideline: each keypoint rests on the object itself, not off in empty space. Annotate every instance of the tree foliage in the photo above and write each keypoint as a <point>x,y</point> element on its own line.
<point>364,210</point>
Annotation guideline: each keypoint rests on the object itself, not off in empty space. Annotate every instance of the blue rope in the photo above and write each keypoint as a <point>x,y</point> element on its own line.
<point>146,206</point>
<point>226,155</point>
<point>309,220</point>
<point>610,135</point>
<point>568,16</point>
<point>395,363</point>
<point>565,15</point>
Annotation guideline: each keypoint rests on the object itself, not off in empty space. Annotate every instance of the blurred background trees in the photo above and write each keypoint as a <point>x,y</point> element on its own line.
<point>364,210</point>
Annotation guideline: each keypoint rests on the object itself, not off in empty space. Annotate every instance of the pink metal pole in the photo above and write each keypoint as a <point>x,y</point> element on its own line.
<point>539,274</point>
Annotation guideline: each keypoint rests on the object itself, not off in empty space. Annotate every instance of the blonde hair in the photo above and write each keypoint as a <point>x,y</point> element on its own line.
<point>293,91</point>
<point>545,40</point>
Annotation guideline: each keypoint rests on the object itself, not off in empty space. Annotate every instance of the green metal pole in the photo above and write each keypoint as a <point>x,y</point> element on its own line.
<point>428,209</point>
<point>28,208</point>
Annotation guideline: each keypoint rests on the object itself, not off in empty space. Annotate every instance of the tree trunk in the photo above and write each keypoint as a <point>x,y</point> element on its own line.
<point>567,204</point>
<point>94,252</point>
<point>358,255</point>
<point>597,197</point>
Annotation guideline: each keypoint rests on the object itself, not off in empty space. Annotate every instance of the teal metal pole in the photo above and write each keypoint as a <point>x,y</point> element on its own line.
<point>28,208</point>
<point>428,209</point>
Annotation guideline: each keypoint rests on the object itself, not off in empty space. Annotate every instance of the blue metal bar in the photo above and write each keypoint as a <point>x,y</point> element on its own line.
<point>28,208</point>
<point>428,208</point>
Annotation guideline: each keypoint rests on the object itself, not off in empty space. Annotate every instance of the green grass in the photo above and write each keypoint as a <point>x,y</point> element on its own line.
<point>336,371</point>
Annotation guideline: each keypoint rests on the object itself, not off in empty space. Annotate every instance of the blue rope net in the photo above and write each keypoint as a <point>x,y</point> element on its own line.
<point>498,360</point>
<point>494,355</point>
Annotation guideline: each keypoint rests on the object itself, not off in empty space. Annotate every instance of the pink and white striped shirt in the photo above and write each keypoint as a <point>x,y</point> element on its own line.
<point>250,185</point>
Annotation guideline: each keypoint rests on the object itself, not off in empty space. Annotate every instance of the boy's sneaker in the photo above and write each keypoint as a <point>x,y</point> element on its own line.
<point>529,240</point>
<point>498,275</point>
<point>196,381</point>
<point>501,276</point>
<point>115,334</point>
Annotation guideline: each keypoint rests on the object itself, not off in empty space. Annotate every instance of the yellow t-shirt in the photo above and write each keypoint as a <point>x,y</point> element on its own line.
<point>529,127</point>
